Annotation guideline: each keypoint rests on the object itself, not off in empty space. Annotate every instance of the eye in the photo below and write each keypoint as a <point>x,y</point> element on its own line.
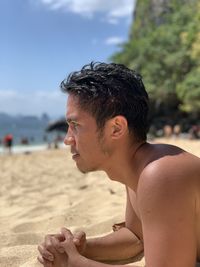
<point>74,125</point>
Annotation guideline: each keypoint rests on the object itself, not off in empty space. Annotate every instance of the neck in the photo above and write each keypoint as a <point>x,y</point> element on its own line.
<point>124,166</point>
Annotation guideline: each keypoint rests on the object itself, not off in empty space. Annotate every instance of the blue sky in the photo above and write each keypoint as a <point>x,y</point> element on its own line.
<point>42,41</point>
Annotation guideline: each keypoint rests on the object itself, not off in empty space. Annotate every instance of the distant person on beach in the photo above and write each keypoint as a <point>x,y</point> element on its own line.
<point>107,111</point>
<point>194,132</point>
<point>167,131</point>
<point>8,142</point>
<point>177,130</point>
<point>24,141</point>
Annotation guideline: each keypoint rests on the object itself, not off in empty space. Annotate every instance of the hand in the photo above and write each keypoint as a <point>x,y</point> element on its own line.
<point>71,253</point>
<point>60,258</point>
<point>47,250</point>
<point>79,240</point>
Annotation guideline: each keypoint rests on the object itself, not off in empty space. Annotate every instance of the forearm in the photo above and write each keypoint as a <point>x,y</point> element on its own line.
<point>85,262</point>
<point>119,245</point>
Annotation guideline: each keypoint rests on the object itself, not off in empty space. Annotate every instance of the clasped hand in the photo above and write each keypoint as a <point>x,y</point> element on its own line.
<point>59,249</point>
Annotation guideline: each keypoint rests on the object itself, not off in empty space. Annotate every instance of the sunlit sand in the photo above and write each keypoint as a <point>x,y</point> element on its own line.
<point>43,191</point>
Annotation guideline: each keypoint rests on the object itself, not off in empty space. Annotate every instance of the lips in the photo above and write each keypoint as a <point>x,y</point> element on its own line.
<point>74,154</point>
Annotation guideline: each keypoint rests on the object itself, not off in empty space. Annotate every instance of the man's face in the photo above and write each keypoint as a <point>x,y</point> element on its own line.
<point>87,148</point>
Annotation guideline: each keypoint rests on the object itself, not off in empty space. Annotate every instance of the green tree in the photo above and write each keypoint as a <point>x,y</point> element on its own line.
<point>164,46</point>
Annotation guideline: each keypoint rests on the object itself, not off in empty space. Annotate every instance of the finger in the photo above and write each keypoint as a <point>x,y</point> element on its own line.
<point>48,244</point>
<point>59,236</point>
<point>57,245</point>
<point>40,259</point>
<point>79,237</point>
<point>44,262</point>
<point>67,233</point>
<point>45,253</point>
<point>68,244</point>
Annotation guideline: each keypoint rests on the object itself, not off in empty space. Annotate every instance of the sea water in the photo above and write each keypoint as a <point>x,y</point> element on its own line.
<point>38,138</point>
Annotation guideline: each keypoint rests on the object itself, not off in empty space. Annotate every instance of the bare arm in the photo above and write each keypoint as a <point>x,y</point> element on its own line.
<point>71,257</point>
<point>167,207</point>
<point>122,244</point>
<point>119,245</point>
<point>84,262</point>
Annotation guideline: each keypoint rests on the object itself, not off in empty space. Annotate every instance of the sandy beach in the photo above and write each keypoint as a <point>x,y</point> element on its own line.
<point>42,191</point>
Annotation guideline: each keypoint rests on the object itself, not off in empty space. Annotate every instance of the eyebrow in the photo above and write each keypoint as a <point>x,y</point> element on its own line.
<point>68,120</point>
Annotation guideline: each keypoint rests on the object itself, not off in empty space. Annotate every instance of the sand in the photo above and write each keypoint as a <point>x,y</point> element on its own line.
<point>42,191</point>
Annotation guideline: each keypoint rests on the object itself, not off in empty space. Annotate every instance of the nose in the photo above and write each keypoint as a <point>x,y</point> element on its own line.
<point>69,139</point>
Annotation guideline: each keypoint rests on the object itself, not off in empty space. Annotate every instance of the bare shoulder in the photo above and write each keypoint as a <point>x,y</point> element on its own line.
<point>170,174</point>
<point>166,196</point>
<point>171,162</point>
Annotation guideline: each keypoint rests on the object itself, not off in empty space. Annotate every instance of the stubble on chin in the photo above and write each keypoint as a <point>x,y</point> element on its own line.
<point>85,170</point>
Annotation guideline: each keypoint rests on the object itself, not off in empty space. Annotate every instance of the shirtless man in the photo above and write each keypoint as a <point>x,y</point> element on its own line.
<point>107,116</point>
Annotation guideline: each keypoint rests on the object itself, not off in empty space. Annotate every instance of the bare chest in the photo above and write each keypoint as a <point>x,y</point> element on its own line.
<point>133,202</point>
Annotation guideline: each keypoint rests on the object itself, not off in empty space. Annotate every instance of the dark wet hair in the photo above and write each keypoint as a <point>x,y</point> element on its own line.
<point>107,90</point>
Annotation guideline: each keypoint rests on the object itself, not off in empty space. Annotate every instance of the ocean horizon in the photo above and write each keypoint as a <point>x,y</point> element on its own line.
<point>18,149</point>
<point>26,129</point>
<point>27,139</point>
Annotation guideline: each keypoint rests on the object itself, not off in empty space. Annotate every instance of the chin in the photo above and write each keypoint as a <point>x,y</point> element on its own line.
<point>85,169</point>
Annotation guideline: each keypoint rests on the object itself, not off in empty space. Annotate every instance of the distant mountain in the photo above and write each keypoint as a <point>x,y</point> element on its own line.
<point>23,121</point>
<point>5,119</point>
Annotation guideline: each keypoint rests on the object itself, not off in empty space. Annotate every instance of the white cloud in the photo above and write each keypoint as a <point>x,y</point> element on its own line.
<point>111,20</point>
<point>36,102</point>
<point>114,40</point>
<point>112,9</point>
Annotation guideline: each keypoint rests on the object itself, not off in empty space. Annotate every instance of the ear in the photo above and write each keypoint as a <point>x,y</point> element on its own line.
<point>118,127</point>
